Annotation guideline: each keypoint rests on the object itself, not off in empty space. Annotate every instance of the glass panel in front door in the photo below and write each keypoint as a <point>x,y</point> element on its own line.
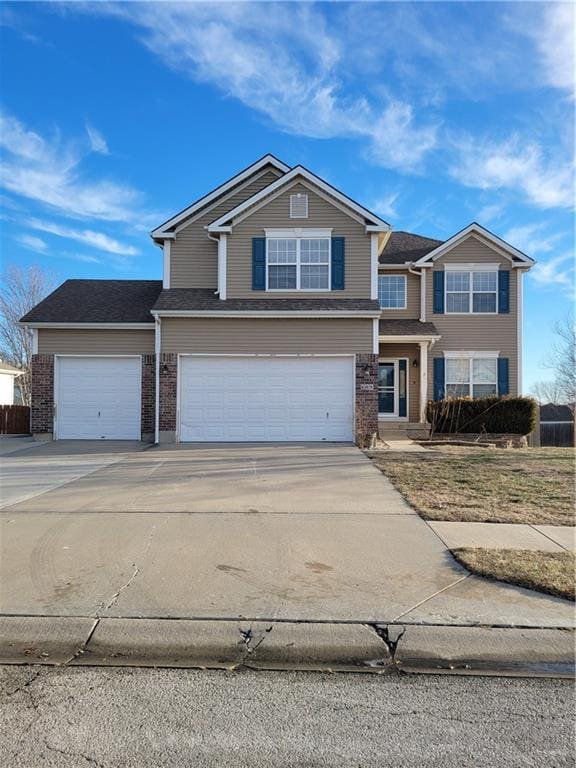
<point>386,387</point>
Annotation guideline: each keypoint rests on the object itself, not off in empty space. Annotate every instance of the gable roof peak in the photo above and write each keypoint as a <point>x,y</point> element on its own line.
<point>160,233</point>
<point>373,223</point>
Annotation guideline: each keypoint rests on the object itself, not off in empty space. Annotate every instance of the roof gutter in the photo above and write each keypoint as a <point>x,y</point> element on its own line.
<point>261,313</point>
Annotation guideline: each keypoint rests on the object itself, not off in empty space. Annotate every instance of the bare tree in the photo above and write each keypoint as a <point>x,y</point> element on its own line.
<point>561,359</point>
<point>20,290</point>
<point>548,392</point>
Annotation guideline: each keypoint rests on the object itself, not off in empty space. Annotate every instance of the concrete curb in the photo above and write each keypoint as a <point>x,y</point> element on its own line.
<point>335,647</point>
<point>486,651</point>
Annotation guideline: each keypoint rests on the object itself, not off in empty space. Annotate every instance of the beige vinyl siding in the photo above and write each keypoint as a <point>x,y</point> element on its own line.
<point>72,341</point>
<point>193,256</point>
<point>476,332</point>
<point>412,310</point>
<point>266,335</point>
<point>412,352</point>
<point>472,250</point>
<point>321,215</point>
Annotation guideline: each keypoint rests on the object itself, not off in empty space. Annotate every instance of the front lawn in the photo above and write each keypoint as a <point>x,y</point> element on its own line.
<point>492,485</point>
<point>549,572</point>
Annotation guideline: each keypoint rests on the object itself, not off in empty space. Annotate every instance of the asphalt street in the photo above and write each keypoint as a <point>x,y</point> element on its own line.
<point>105,717</point>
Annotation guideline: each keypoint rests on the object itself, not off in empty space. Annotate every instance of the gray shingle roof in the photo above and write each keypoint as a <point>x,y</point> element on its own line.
<point>98,301</point>
<point>199,300</point>
<point>407,328</point>
<point>404,246</point>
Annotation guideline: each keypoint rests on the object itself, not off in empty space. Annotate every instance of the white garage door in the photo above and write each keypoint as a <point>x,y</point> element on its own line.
<point>98,398</point>
<point>266,398</point>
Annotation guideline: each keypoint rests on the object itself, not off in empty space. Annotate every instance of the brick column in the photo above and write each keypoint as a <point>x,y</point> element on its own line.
<point>168,376</point>
<point>366,399</point>
<point>42,410</point>
<point>148,396</point>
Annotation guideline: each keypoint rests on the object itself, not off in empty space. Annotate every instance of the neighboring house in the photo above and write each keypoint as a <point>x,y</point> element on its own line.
<point>287,311</point>
<point>8,376</point>
<point>557,425</point>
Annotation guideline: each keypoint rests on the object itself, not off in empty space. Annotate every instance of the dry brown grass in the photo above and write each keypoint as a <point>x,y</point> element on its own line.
<point>549,572</point>
<point>532,485</point>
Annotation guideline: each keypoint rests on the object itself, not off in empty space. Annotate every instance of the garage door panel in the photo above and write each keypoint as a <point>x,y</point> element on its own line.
<point>266,399</point>
<point>98,398</point>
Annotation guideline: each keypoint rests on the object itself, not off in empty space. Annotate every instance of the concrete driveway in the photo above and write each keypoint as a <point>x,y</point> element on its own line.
<point>301,532</point>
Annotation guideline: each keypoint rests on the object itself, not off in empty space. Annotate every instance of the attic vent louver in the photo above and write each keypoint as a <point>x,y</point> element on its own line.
<point>299,206</point>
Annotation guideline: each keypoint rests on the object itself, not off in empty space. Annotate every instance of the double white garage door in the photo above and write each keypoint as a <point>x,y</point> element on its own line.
<point>237,399</point>
<point>220,399</point>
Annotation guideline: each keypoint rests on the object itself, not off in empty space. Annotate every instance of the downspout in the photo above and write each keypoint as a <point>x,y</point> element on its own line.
<point>216,240</point>
<point>421,275</point>
<point>157,348</point>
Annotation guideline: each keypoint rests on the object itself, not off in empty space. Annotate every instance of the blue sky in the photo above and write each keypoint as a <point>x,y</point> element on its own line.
<point>114,116</point>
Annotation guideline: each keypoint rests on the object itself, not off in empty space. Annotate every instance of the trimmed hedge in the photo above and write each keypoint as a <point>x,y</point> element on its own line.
<point>495,415</point>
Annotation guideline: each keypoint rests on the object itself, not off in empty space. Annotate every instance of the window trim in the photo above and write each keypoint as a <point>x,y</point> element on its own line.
<point>303,235</point>
<point>470,269</point>
<point>391,309</point>
<point>470,357</point>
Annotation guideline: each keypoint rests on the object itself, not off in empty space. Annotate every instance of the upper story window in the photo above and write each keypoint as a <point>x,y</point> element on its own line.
<point>298,264</point>
<point>471,291</point>
<point>299,206</point>
<point>471,376</point>
<point>392,291</point>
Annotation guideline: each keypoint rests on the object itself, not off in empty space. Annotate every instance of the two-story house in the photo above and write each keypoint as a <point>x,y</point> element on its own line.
<point>287,311</point>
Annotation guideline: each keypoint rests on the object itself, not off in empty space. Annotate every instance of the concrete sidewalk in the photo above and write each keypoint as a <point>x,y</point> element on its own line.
<point>543,538</point>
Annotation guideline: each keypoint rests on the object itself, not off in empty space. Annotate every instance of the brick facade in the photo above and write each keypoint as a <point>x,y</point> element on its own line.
<point>148,394</point>
<point>366,399</point>
<point>42,411</point>
<point>168,377</point>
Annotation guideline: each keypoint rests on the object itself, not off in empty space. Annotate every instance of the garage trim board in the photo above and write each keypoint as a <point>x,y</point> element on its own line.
<point>322,410</point>
<point>126,398</point>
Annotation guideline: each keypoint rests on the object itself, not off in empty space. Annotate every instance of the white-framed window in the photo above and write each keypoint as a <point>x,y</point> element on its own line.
<point>299,206</point>
<point>471,376</point>
<point>298,263</point>
<point>392,291</point>
<point>471,291</point>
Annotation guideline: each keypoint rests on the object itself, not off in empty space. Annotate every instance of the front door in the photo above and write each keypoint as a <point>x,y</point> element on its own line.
<point>387,388</point>
<point>392,386</point>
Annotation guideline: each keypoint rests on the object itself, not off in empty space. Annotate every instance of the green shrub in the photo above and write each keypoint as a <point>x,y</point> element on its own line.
<point>512,415</point>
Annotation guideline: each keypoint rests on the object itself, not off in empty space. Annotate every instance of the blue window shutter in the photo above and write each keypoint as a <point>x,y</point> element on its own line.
<point>503,386</point>
<point>503,291</point>
<point>439,386</point>
<point>337,264</point>
<point>258,263</point>
<point>438,303</point>
<point>402,398</point>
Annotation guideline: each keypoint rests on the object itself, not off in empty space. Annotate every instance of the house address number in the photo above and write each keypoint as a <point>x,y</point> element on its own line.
<point>367,387</point>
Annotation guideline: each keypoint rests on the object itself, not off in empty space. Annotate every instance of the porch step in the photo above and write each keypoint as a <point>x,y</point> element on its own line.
<point>403,430</point>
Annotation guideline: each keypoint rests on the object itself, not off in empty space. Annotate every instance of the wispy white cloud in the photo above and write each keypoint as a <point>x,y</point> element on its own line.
<point>281,60</point>
<point>532,239</point>
<point>514,164</point>
<point>557,272</point>
<point>386,205</point>
<point>49,172</point>
<point>489,212</point>
<point>98,143</point>
<point>32,242</point>
<point>552,28</point>
<point>85,236</point>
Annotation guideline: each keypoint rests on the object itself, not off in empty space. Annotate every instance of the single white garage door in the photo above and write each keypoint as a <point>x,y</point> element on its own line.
<point>98,398</point>
<point>236,399</point>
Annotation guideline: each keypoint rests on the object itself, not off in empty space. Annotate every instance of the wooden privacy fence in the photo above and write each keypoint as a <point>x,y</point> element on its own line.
<point>14,419</point>
<point>557,433</point>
